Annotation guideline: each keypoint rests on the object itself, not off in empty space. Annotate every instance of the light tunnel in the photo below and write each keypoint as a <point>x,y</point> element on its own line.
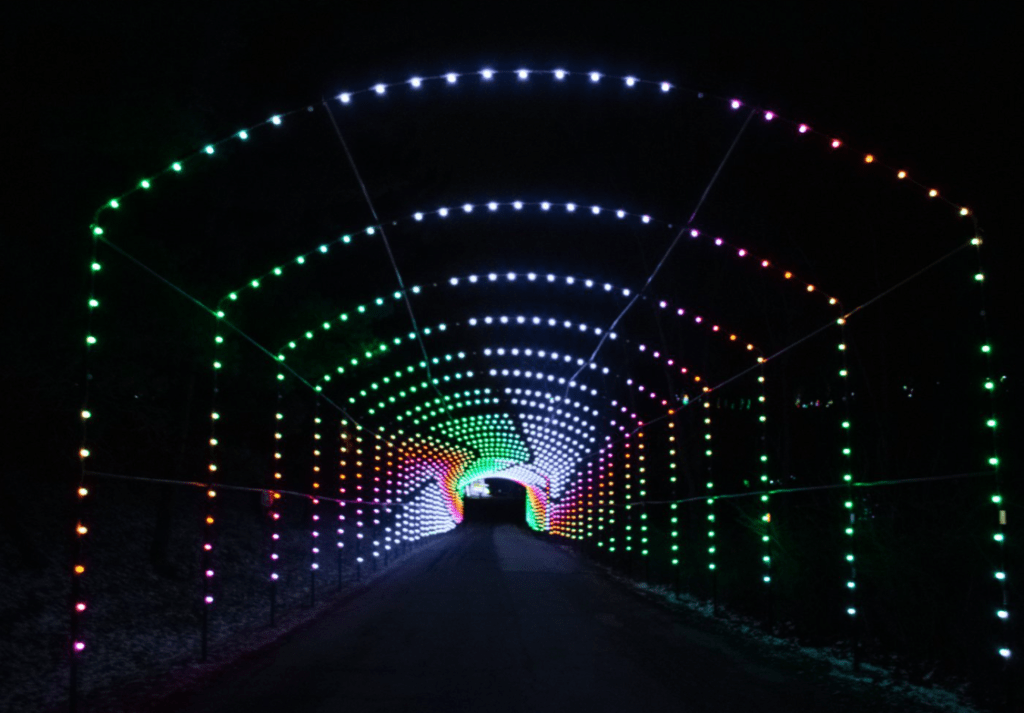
<point>628,407</point>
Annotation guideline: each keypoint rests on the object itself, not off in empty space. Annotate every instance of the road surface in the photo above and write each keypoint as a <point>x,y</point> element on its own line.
<point>492,618</point>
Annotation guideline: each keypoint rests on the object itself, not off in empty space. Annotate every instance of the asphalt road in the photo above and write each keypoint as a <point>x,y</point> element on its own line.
<point>493,619</point>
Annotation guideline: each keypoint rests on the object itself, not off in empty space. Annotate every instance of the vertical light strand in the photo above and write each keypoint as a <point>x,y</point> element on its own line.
<point>76,644</point>
<point>642,494</point>
<point>991,424</point>
<point>273,515</point>
<point>343,448</point>
<point>390,529</point>
<point>627,473</point>
<point>314,515</point>
<point>849,503</point>
<point>673,479</point>
<point>359,505</point>
<point>378,538</point>
<point>206,557</point>
<point>710,491</point>
<point>767,525</point>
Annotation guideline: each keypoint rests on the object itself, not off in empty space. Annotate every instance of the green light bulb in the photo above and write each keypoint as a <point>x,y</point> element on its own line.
<point>208,149</point>
<point>986,348</point>
<point>233,296</point>
<point>94,303</point>
<point>114,204</point>
<point>176,166</point>
<point>144,184</point>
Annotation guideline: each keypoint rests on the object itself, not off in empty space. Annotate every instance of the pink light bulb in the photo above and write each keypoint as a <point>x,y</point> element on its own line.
<point>803,128</point>
<point>79,646</point>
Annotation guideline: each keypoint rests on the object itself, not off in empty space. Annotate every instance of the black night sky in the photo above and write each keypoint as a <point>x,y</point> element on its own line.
<point>100,96</point>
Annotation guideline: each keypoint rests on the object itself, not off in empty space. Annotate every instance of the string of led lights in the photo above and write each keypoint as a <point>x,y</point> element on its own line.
<point>991,424</point>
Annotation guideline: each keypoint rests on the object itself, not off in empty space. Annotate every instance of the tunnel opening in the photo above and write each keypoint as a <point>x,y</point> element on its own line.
<point>495,501</point>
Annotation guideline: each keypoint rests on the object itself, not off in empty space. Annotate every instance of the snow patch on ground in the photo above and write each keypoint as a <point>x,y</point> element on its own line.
<point>900,693</point>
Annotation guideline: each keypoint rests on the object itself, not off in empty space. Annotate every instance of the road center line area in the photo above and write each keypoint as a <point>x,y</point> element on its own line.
<point>494,618</point>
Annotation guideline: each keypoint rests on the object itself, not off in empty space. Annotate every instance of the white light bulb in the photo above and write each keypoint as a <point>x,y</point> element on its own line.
<point>559,74</point>
<point>665,86</point>
<point>486,74</point>
<point>545,205</point>
<point>379,88</point>
<point>518,205</point>
<point>492,206</point>
<point>416,82</point>
<point>630,81</point>
<point>417,216</point>
<point>595,76</point>
<point>451,77</point>
<point>443,212</point>
<point>523,73</point>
